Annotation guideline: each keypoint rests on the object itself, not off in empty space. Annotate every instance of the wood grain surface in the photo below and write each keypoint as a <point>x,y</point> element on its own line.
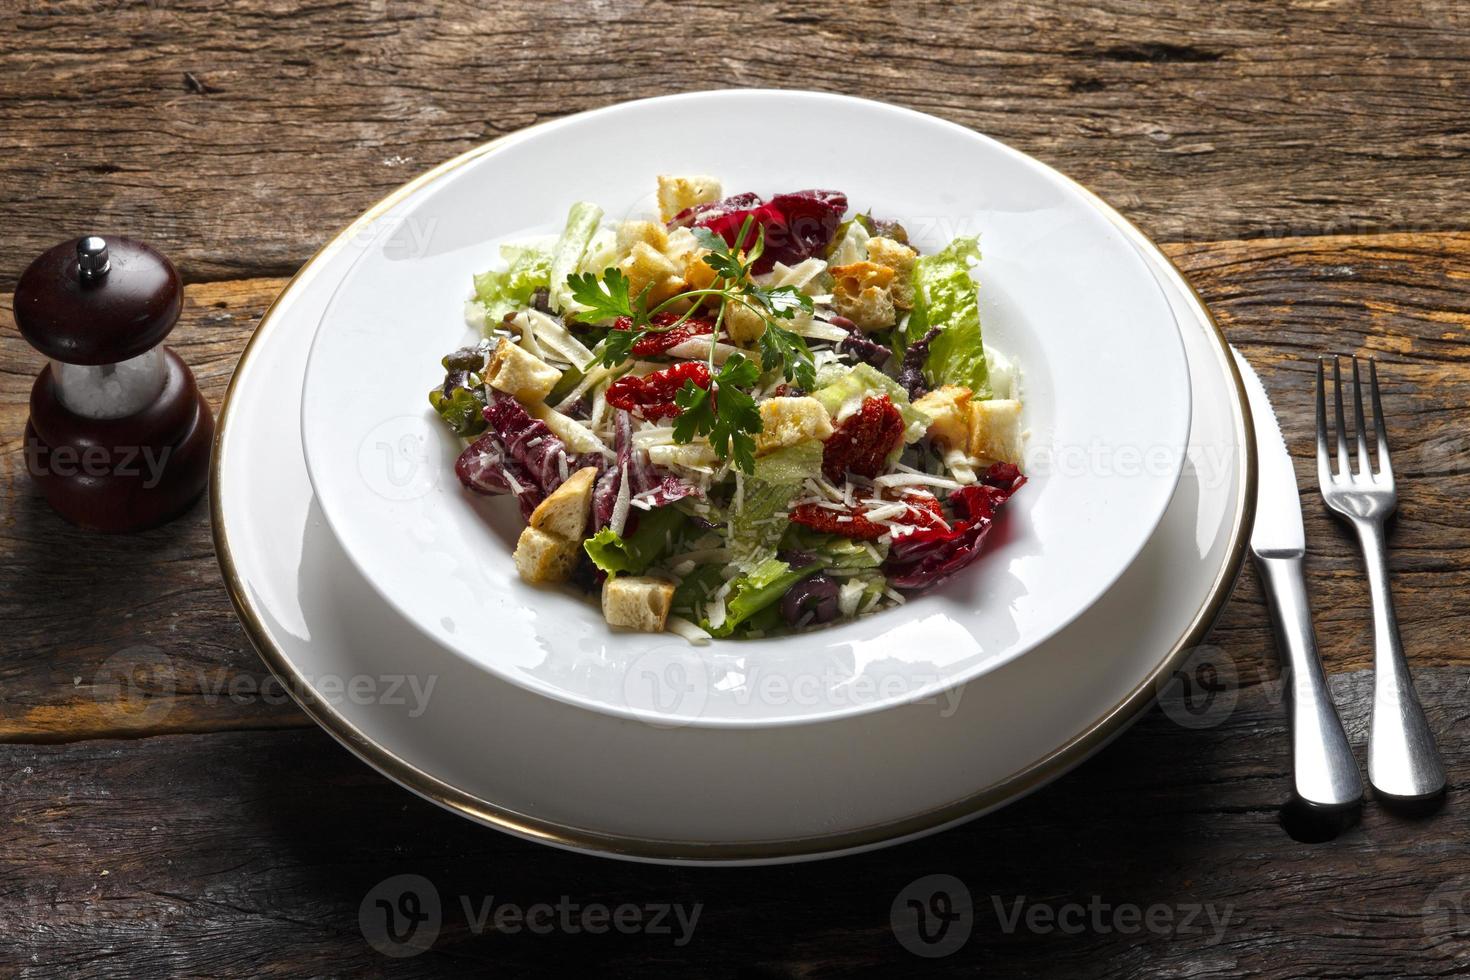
<point>1306,160</point>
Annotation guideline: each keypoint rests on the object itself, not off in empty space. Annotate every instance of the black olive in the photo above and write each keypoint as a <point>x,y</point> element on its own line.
<point>813,599</point>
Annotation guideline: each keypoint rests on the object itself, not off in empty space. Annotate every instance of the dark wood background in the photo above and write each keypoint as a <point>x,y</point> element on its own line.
<point>1309,165</point>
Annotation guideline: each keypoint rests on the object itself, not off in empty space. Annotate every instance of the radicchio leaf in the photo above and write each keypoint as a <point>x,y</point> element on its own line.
<point>928,556</point>
<point>911,374</point>
<point>796,226</point>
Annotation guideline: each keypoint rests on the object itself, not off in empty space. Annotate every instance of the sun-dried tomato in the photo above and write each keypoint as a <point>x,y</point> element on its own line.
<point>924,512</point>
<point>652,396</point>
<point>656,343</point>
<point>863,440</point>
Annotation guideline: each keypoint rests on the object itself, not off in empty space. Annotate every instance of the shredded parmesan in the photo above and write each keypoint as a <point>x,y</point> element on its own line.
<point>619,518</point>
<point>680,626</point>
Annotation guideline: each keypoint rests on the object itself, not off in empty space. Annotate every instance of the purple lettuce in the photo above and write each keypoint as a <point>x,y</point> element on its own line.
<point>652,482</point>
<point>517,454</point>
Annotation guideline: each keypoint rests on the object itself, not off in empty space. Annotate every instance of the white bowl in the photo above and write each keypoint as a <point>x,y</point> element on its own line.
<point>1105,383</point>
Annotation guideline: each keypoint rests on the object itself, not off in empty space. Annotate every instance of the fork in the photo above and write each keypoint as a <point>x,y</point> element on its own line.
<point>1403,761</point>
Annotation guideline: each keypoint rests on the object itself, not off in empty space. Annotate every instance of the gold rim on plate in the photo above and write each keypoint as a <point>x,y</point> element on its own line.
<point>974,804</point>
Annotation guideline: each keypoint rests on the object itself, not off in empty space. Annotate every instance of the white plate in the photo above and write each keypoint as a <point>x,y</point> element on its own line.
<point>493,752</point>
<point>1106,389</point>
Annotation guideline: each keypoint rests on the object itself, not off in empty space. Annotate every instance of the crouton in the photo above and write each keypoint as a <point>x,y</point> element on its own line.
<point>787,421</point>
<point>949,408</point>
<point>855,277</point>
<point>563,513</point>
<point>677,193</point>
<point>644,267</point>
<point>544,558</point>
<point>870,310</point>
<point>743,324</point>
<point>860,293</point>
<point>900,258</point>
<point>697,272</point>
<point>512,370</point>
<point>637,602</point>
<point>650,233</point>
<point>995,430</point>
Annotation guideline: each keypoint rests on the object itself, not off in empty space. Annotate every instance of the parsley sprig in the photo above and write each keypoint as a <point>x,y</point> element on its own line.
<point>725,412</point>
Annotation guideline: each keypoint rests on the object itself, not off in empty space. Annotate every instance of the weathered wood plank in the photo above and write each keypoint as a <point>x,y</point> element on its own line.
<point>251,854</point>
<point>1404,298</point>
<point>239,136</point>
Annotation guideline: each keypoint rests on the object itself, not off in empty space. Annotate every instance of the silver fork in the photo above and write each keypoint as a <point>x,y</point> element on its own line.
<point>1402,758</point>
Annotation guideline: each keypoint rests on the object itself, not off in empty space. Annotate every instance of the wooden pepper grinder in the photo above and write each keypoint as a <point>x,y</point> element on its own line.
<point>119,436</point>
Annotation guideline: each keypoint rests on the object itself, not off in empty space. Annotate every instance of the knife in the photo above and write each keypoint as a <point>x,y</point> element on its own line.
<point>1324,772</point>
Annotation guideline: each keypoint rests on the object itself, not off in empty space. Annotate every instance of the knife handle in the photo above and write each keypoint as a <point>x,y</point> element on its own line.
<point>1324,772</point>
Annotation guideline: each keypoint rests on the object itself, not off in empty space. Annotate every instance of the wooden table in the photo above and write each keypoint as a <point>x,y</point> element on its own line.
<point>1308,161</point>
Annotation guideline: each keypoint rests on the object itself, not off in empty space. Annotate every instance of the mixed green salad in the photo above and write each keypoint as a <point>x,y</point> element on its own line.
<point>748,416</point>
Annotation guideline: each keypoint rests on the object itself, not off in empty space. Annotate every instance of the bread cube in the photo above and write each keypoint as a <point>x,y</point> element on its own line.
<point>649,233</point>
<point>514,371</point>
<point>543,558</point>
<point>900,258</point>
<point>995,430</point>
<point>563,513</point>
<point>870,310</point>
<point>860,293</point>
<point>949,409</point>
<point>644,266</point>
<point>677,193</point>
<point>637,602</point>
<point>787,421</point>
<point>743,324</point>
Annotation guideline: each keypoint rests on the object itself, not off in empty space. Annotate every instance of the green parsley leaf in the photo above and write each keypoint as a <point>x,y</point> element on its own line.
<point>789,350</point>
<point>605,300</point>
<point>724,412</point>
<point>615,348</point>
<point>782,301</point>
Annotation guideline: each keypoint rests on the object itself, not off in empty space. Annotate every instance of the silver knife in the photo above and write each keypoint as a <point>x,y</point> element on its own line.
<point>1324,772</point>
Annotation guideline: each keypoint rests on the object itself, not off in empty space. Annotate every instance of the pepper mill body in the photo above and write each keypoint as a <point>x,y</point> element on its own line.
<point>119,435</point>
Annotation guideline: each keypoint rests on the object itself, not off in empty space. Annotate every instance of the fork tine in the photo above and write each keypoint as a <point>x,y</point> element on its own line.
<point>1385,465</point>
<point>1324,460</point>
<point>1365,465</point>
<point>1342,454</point>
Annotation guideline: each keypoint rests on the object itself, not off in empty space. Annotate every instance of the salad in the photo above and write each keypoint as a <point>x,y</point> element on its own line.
<point>749,416</point>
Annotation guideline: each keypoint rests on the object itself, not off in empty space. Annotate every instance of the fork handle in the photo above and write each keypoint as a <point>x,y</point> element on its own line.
<point>1324,772</point>
<point>1402,758</point>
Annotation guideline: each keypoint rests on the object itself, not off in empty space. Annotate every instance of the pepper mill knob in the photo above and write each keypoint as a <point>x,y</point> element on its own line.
<point>118,438</point>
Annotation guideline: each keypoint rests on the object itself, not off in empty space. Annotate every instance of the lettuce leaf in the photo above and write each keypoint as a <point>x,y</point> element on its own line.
<point>863,380</point>
<point>500,292</point>
<point>753,534</point>
<point>617,555</point>
<point>529,268</point>
<point>833,550</point>
<point>566,255</point>
<point>756,590</point>
<point>946,296</point>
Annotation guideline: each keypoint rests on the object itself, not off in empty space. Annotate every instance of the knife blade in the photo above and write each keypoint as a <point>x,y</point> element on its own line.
<point>1278,529</point>
<point>1324,772</point>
